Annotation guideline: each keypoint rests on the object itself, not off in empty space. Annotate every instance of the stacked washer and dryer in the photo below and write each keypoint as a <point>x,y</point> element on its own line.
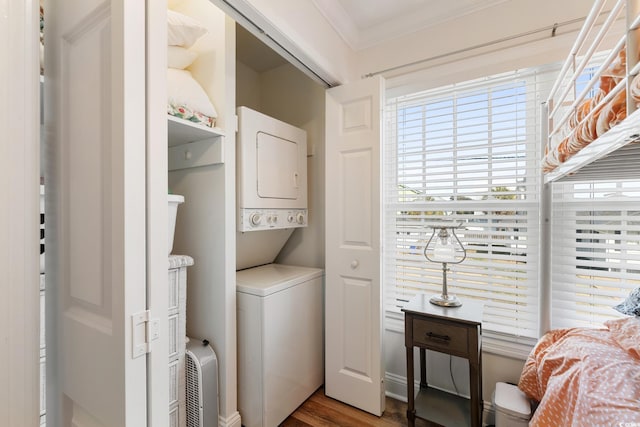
<point>279,307</point>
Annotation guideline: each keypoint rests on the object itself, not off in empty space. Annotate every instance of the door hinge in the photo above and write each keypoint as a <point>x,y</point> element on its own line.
<point>143,331</point>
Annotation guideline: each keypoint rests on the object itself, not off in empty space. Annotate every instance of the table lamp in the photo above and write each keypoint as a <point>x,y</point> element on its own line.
<point>445,247</point>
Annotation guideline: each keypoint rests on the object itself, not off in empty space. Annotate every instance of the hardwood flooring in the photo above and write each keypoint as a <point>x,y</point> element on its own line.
<point>322,411</point>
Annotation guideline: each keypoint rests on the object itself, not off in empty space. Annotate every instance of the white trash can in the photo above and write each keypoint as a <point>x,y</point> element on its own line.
<point>513,408</point>
<point>174,200</point>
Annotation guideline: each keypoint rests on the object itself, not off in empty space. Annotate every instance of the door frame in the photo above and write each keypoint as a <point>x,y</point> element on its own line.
<point>20,190</point>
<point>156,210</point>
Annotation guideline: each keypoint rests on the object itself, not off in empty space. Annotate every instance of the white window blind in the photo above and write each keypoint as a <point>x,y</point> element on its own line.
<point>467,152</point>
<point>596,250</point>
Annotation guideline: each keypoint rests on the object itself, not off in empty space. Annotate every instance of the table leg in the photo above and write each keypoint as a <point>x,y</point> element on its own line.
<point>411,412</point>
<point>423,368</point>
<point>475,383</point>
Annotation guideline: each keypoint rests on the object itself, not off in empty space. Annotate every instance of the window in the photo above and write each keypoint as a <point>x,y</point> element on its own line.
<point>470,153</point>
<point>596,250</point>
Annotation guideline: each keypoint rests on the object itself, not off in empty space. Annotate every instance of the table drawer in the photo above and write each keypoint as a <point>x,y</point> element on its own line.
<point>440,336</point>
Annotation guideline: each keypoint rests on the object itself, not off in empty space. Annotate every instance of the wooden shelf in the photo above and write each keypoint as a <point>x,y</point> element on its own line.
<point>192,145</point>
<point>183,131</point>
<point>615,155</point>
<point>442,408</point>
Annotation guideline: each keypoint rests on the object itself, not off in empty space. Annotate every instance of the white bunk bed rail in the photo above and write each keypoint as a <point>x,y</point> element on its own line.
<point>592,109</point>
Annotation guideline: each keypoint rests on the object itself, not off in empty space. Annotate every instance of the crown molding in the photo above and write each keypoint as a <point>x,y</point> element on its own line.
<point>399,25</point>
<point>340,20</point>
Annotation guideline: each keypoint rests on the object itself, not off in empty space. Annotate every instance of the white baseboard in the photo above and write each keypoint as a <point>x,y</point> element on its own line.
<point>489,414</point>
<point>395,386</point>
<point>232,421</point>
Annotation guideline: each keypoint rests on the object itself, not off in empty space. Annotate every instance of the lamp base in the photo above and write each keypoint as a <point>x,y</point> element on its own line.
<point>445,300</point>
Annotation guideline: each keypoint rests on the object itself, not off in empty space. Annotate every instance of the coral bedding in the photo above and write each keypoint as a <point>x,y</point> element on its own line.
<point>592,118</point>
<point>586,377</point>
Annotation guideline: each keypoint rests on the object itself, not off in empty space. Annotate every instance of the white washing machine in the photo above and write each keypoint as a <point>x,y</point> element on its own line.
<point>280,341</point>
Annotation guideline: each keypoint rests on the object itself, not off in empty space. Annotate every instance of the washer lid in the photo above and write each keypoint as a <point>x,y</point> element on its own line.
<point>510,400</point>
<point>268,279</point>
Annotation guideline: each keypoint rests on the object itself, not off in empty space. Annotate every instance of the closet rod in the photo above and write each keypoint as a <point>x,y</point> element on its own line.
<point>553,28</point>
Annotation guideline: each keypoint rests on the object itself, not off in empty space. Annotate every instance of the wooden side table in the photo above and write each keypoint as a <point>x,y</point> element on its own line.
<point>452,330</point>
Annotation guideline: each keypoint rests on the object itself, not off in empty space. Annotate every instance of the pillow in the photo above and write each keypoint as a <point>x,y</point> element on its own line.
<point>179,57</point>
<point>631,305</point>
<point>182,89</point>
<point>183,30</point>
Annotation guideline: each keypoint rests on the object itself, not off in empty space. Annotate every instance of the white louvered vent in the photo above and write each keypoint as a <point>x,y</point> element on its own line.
<point>194,392</point>
<point>201,366</point>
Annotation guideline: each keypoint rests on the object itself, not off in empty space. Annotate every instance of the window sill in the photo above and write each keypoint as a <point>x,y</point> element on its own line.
<point>492,342</point>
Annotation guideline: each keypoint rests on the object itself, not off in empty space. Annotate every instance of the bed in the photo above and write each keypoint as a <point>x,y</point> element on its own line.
<point>586,376</point>
<point>597,89</point>
<point>591,376</point>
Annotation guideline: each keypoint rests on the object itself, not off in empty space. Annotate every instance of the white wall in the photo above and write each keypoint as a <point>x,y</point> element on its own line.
<point>500,22</point>
<point>247,87</point>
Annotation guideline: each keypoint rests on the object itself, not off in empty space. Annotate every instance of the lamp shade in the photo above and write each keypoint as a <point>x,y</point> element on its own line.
<point>444,246</point>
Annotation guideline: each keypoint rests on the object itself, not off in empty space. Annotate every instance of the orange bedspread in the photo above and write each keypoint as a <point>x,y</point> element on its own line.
<point>586,377</point>
<point>591,119</point>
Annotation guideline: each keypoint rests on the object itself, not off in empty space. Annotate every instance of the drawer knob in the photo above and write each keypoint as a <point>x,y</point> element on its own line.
<point>438,337</point>
<point>354,264</point>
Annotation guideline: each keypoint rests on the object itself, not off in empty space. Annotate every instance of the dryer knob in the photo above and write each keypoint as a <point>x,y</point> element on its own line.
<point>255,219</point>
<point>290,218</point>
<point>300,218</point>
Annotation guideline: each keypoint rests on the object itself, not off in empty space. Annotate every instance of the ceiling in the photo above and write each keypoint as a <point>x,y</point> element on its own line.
<point>365,23</point>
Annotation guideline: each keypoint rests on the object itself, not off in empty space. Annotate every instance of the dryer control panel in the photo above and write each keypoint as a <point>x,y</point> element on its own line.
<point>271,219</point>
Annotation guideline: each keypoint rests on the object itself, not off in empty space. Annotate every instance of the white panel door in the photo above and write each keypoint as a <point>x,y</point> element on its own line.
<point>353,301</point>
<point>95,207</point>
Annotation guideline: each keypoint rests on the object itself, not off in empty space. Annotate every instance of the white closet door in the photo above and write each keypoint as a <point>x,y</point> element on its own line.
<point>353,301</point>
<point>95,207</point>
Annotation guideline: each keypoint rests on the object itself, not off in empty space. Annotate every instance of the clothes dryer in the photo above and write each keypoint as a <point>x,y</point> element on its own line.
<point>271,177</point>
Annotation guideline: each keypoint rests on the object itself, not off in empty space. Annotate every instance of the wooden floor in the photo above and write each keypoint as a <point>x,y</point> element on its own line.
<point>322,411</point>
